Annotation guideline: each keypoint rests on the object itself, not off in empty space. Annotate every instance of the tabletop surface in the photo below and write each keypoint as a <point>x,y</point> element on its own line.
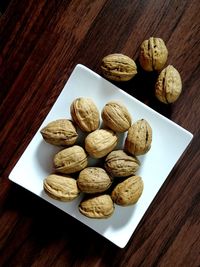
<point>40,44</point>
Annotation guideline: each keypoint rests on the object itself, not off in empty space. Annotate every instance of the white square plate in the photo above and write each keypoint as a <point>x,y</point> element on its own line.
<point>169,142</point>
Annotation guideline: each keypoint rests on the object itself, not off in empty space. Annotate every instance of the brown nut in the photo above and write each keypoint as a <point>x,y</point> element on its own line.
<point>116,116</point>
<point>60,132</point>
<point>100,142</point>
<point>97,207</point>
<point>85,114</point>
<point>63,188</point>
<point>120,164</point>
<point>153,54</point>
<point>70,160</point>
<point>93,180</point>
<point>169,85</point>
<point>139,138</point>
<point>118,67</point>
<point>128,192</point>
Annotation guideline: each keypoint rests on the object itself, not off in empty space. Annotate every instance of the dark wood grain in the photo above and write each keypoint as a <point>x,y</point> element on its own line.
<point>40,44</point>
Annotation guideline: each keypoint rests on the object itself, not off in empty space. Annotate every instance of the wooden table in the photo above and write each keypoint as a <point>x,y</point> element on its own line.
<point>41,42</point>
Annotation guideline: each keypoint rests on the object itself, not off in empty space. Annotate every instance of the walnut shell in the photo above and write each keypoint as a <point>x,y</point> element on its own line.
<point>85,114</point>
<point>153,54</point>
<point>97,207</point>
<point>60,132</point>
<point>118,67</point>
<point>120,164</point>
<point>139,138</point>
<point>70,160</point>
<point>63,188</point>
<point>169,85</point>
<point>128,192</point>
<point>100,142</point>
<point>93,180</point>
<point>116,116</point>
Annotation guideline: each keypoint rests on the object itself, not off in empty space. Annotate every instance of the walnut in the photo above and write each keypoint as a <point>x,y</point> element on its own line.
<point>70,160</point>
<point>60,132</point>
<point>63,188</point>
<point>98,207</point>
<point>153,54</point>
<point>93,180</point>
<point>100,142</point>
<point>85,114</point>
<point>120,164</point>
<point>169,86</point>
<point>118,67</point>
<point>128,192</point>
<point>116,116</point>
<point>139,138</point>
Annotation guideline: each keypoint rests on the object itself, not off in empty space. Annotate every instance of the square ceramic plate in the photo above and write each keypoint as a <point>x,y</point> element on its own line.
<point>169,142</point>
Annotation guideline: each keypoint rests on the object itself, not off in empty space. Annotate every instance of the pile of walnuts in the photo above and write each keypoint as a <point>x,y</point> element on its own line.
<point>152,57</point>
<point>115,181</point>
